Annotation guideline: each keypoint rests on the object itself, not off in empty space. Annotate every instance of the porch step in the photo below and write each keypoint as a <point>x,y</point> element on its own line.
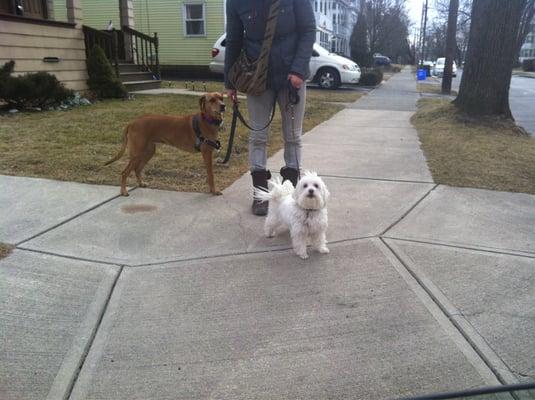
<point>129,67</point>
<point>135,76</point>
<point>133,86</point>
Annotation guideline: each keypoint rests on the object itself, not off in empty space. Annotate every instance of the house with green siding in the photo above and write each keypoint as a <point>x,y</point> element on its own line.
<point>186,29</point>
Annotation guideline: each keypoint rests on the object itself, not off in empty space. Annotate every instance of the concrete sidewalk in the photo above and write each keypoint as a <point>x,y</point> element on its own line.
<point>167,295</point>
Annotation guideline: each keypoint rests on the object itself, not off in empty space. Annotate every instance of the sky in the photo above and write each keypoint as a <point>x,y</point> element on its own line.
<point>414,8</point>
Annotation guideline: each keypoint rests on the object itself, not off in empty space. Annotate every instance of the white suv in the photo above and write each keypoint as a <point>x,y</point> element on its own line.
<point>440,64</point>
<point>328,70</point>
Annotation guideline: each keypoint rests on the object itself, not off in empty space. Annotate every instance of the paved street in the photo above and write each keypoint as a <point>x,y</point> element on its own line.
<point>168,295</point>
<point>521,100</point>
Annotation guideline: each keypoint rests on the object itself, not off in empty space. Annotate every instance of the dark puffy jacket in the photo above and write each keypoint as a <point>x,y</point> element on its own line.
<point>292,45</point>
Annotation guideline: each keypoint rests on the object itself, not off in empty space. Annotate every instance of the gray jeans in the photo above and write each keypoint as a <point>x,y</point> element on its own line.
<point>259,112</point>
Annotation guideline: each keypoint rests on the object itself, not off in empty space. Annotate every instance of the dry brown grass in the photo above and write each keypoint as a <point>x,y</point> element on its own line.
<point>73,145</point>
<point>431,88</point>
<point>484,153</point>
<point>5,249</point>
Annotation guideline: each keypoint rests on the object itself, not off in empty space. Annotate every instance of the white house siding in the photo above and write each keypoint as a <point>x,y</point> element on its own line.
<point>27,44</point>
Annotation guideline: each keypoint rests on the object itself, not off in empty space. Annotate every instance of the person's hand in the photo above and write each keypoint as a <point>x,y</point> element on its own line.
<point>232,95</point>
<point>297,82</point>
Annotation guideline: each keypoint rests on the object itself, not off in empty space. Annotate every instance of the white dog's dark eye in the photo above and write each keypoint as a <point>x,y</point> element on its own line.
<point>316,185</point>
<point>305,185</point>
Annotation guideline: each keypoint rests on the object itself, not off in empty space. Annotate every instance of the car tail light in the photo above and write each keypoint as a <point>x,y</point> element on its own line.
<point>215,52</point>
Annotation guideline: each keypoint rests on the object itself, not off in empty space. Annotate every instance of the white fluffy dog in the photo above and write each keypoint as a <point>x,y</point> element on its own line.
<point>302,211</point>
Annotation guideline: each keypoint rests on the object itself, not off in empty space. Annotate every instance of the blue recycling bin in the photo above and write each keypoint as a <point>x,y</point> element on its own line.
<point>422,74</point>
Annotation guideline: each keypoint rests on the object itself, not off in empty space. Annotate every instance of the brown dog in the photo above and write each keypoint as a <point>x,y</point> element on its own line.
<point>197,132</point>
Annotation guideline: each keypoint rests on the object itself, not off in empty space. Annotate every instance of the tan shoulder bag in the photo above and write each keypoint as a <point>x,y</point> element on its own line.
<point>248,76</point>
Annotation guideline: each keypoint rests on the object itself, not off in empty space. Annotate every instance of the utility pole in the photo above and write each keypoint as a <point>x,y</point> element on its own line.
<point>420,38</point>
<point>426,6</point>
<point>451,46</point>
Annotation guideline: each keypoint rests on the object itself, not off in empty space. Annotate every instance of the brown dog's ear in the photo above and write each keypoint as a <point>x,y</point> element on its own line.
<point>202,102</point>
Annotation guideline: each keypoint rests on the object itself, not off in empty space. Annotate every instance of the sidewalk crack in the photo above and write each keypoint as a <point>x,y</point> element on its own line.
<point>408,211</point>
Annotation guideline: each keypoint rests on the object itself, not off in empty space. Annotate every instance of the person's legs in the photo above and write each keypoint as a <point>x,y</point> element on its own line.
<point>259,108</point>
<point>292,128</point>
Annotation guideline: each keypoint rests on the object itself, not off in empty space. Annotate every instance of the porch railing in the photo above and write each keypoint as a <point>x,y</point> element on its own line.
<point>107,40</point>
<point>144,50</point>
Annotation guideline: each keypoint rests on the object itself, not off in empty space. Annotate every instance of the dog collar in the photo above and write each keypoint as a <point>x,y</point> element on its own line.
<point>199,138</point>
<point>210,120</point>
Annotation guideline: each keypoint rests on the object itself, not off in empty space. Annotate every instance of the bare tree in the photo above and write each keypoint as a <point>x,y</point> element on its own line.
<point>360,51</point>
<point>463,24</point>
<point>388,27</point>
<point>489,60</point>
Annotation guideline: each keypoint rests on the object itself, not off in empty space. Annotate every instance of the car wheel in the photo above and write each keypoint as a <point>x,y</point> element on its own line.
<point>328,78</point>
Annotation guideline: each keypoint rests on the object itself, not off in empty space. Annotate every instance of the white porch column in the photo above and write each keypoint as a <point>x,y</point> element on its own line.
<point>126,11</point>
<point>75,15</point>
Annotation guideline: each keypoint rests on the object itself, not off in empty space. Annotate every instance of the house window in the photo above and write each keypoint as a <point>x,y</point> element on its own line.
<point>27,8</point>
<point>194,19</point>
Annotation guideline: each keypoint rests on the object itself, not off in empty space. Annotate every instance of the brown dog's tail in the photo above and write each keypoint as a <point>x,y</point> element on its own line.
<point>123,147</point>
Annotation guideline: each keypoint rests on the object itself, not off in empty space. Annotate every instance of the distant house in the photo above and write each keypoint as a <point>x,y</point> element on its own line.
<point>335,20</point>
<point>187,30</point>
<point>528,48</point>
<point>56,36</point>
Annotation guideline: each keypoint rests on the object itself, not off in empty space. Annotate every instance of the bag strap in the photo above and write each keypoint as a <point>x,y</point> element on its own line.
<point>260,75</point>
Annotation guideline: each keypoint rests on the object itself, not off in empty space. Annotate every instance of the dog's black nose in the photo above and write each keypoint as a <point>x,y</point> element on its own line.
<point>222,108</point>
<point>310,191</point>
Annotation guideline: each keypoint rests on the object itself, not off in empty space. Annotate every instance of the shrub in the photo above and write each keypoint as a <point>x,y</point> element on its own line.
<point>529,65</point>
<point>39,89</point>
<point>371,78</point>
<point>102,79</point>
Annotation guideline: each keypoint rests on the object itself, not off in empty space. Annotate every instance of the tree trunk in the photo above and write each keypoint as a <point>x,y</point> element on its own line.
<point>451,46</point>
<point>489,60</point>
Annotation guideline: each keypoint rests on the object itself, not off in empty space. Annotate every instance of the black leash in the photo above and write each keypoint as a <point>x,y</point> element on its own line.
<point>233,124</point>
<point>244,122</point>
<point>236,114</point>
<point>474,392</point>
<point>293,99</point>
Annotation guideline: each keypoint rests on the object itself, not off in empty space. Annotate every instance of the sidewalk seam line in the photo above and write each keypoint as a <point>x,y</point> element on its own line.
<point>93,335</point>
<point>245,253</point>
<point>409,210</point>
<point>71,218</point>
<point>451,318</point>
<point>376,179</point>
<point>180,260</point>
<point>464,247</point>
<point>49,253</point>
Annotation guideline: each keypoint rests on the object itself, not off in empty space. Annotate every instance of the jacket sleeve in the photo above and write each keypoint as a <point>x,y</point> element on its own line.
<point>306,33</point>
<point>234,39</point>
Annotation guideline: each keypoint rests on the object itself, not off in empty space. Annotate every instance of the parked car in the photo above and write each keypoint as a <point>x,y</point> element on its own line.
<point>381,61</point>
<point>328,70</point>
<point>438,67</point>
